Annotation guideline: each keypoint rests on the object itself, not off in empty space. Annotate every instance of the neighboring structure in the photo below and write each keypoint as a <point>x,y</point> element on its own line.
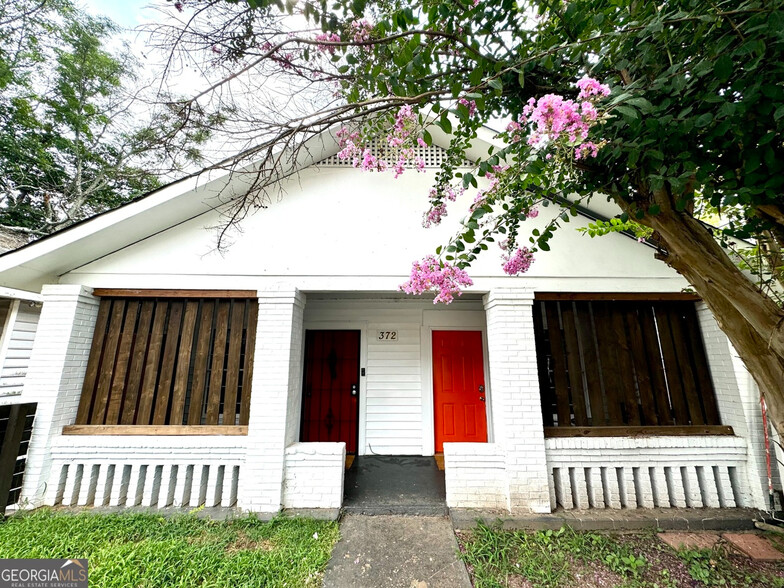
<point>167,373</point>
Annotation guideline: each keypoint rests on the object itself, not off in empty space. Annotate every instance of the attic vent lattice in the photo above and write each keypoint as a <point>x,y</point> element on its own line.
<point>433,156</point>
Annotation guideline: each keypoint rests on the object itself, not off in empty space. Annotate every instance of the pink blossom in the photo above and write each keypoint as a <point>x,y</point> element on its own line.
<point>420,164</point>
<point>518,262</point>
<point>432,275</point>
<point>469,104</point>
<point>434,215</point>
<point>533,212</point>
<point>179,6</point>
<point>589,148</point>
<point>360,30</point>
<point>421,142</point>
<point>590,87</point>
<point>328,38</point>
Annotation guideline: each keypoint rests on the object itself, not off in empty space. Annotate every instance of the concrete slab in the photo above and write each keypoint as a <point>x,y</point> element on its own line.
<point>394,485</point>
<point>668,519</point>
<point>754,546</point>
<point>395,552</point>
<point>690,540</point>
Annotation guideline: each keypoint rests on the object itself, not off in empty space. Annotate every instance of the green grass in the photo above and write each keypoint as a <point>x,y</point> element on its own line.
<point>142,550</point>
<point>565,558</point>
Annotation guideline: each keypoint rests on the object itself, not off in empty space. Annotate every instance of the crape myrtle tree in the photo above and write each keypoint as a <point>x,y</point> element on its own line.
<point>77,136</point>
<point>673,110</point>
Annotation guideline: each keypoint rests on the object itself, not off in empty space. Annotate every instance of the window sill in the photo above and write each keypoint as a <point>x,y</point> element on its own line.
<point>157,430</point>
<point>664,431</point>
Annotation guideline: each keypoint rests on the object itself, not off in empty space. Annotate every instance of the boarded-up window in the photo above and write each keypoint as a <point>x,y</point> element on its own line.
<point>622,363</point>
<point>170,361</point>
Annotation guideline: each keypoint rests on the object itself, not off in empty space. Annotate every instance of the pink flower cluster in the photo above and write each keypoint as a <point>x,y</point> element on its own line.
<point>554,116</point>
<point>434,215</point>
<point>590,88</point>
<point>518,262</point>
<point>360,30</point>
<point>432,275</point>
<point>327,38</point>
<point>589,148</point>
<point>399,139</point>
<point>469,104</point>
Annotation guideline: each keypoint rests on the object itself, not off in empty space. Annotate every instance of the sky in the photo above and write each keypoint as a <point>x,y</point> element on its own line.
<point>126,13</point>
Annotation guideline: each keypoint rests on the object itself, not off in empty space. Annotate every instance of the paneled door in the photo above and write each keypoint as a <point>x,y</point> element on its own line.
<point>330,396</point>
<point>458,387</point>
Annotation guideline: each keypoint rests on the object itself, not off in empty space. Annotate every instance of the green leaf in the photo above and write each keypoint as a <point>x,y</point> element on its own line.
<point>722,69</point>
<point>496,84</point>
<point>628,112</point>
<point>703,120</point>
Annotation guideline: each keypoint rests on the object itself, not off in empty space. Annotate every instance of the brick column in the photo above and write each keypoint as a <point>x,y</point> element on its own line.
<point>275,399</point>
<point>58,362</point>
<point>516,404</point>
<point>738,399</point>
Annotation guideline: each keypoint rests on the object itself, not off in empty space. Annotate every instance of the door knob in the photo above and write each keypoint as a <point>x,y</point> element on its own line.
<point>482,398</point>
<point>482,388</point>
<point>354,390</point>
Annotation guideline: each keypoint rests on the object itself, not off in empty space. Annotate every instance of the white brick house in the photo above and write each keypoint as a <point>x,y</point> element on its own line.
<point>161,424</point>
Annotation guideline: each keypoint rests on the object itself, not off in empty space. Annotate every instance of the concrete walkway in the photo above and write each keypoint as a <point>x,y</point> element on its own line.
<point>396,552</point>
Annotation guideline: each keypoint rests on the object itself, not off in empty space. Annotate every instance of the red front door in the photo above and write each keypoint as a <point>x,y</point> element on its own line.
<point>330,396</point>
<point>458,387</point>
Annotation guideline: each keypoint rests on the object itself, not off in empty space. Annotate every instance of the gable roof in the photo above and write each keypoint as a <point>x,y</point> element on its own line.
<point>173,204</point>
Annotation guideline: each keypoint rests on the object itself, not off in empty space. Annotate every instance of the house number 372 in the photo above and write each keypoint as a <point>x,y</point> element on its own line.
<point>387,335</point>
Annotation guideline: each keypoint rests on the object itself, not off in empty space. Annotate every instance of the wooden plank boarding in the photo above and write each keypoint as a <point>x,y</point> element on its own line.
<point>700,363</point>
<point>250,351</point>
<point>136,367</point>
<point>107,363</point>
<point>151,365</point>
<point>233,363</point>
<point>218,358</point>
<point>641,368</point>
<point>542,351</point>
<point>154,430</point>
<point>685,367</point>
<point>153,293</point>
<point>121,365</point>
<point>9,447</point>
<point>183,363</point>
<point>618,296</point>
<point>200,364</point>
<point>612,383</point>
<point>591,361</point>
<point>559,365</point>
<point>664,411</point>
<point>93,364</point>
<point>669,354</point>
<point>658,431</point>
<point>573,363</point>
<point>163,396</point>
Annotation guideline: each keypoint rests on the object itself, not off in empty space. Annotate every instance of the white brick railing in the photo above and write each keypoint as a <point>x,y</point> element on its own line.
<point>475,476</point>
<point>314,475</point>
<point>188,471</point>
<point>652,472</point>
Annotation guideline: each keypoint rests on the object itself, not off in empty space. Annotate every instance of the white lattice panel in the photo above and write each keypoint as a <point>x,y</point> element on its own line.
<point>433,156</point>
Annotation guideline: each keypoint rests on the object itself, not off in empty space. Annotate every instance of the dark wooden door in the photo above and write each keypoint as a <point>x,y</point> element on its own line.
<point>458,387</point>
<point>330,397</point>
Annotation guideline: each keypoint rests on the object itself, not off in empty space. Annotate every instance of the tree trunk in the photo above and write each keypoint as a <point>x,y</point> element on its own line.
<point>752,321</point>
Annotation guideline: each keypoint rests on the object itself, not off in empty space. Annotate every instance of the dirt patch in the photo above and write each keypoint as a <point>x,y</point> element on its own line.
<point>245,543</point>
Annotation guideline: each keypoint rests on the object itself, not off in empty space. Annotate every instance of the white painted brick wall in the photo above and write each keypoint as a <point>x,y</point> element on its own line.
<point>314,475</point>
<point>275,398</point>
<point>476,476</point>
<point>648,471</point>
<point>515,402</point>
<point>131,470</point>
<point>738,399</point>
<point>54,380</point>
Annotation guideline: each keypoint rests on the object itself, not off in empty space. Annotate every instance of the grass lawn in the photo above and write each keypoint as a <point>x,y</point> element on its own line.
<point>140,550</point>
<point>519,559</point>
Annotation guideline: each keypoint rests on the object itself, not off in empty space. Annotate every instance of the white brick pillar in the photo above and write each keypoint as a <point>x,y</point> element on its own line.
<point>739,405</point>
<point>275,399</point>
<point>58,363</point>
<point>515,402</point>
